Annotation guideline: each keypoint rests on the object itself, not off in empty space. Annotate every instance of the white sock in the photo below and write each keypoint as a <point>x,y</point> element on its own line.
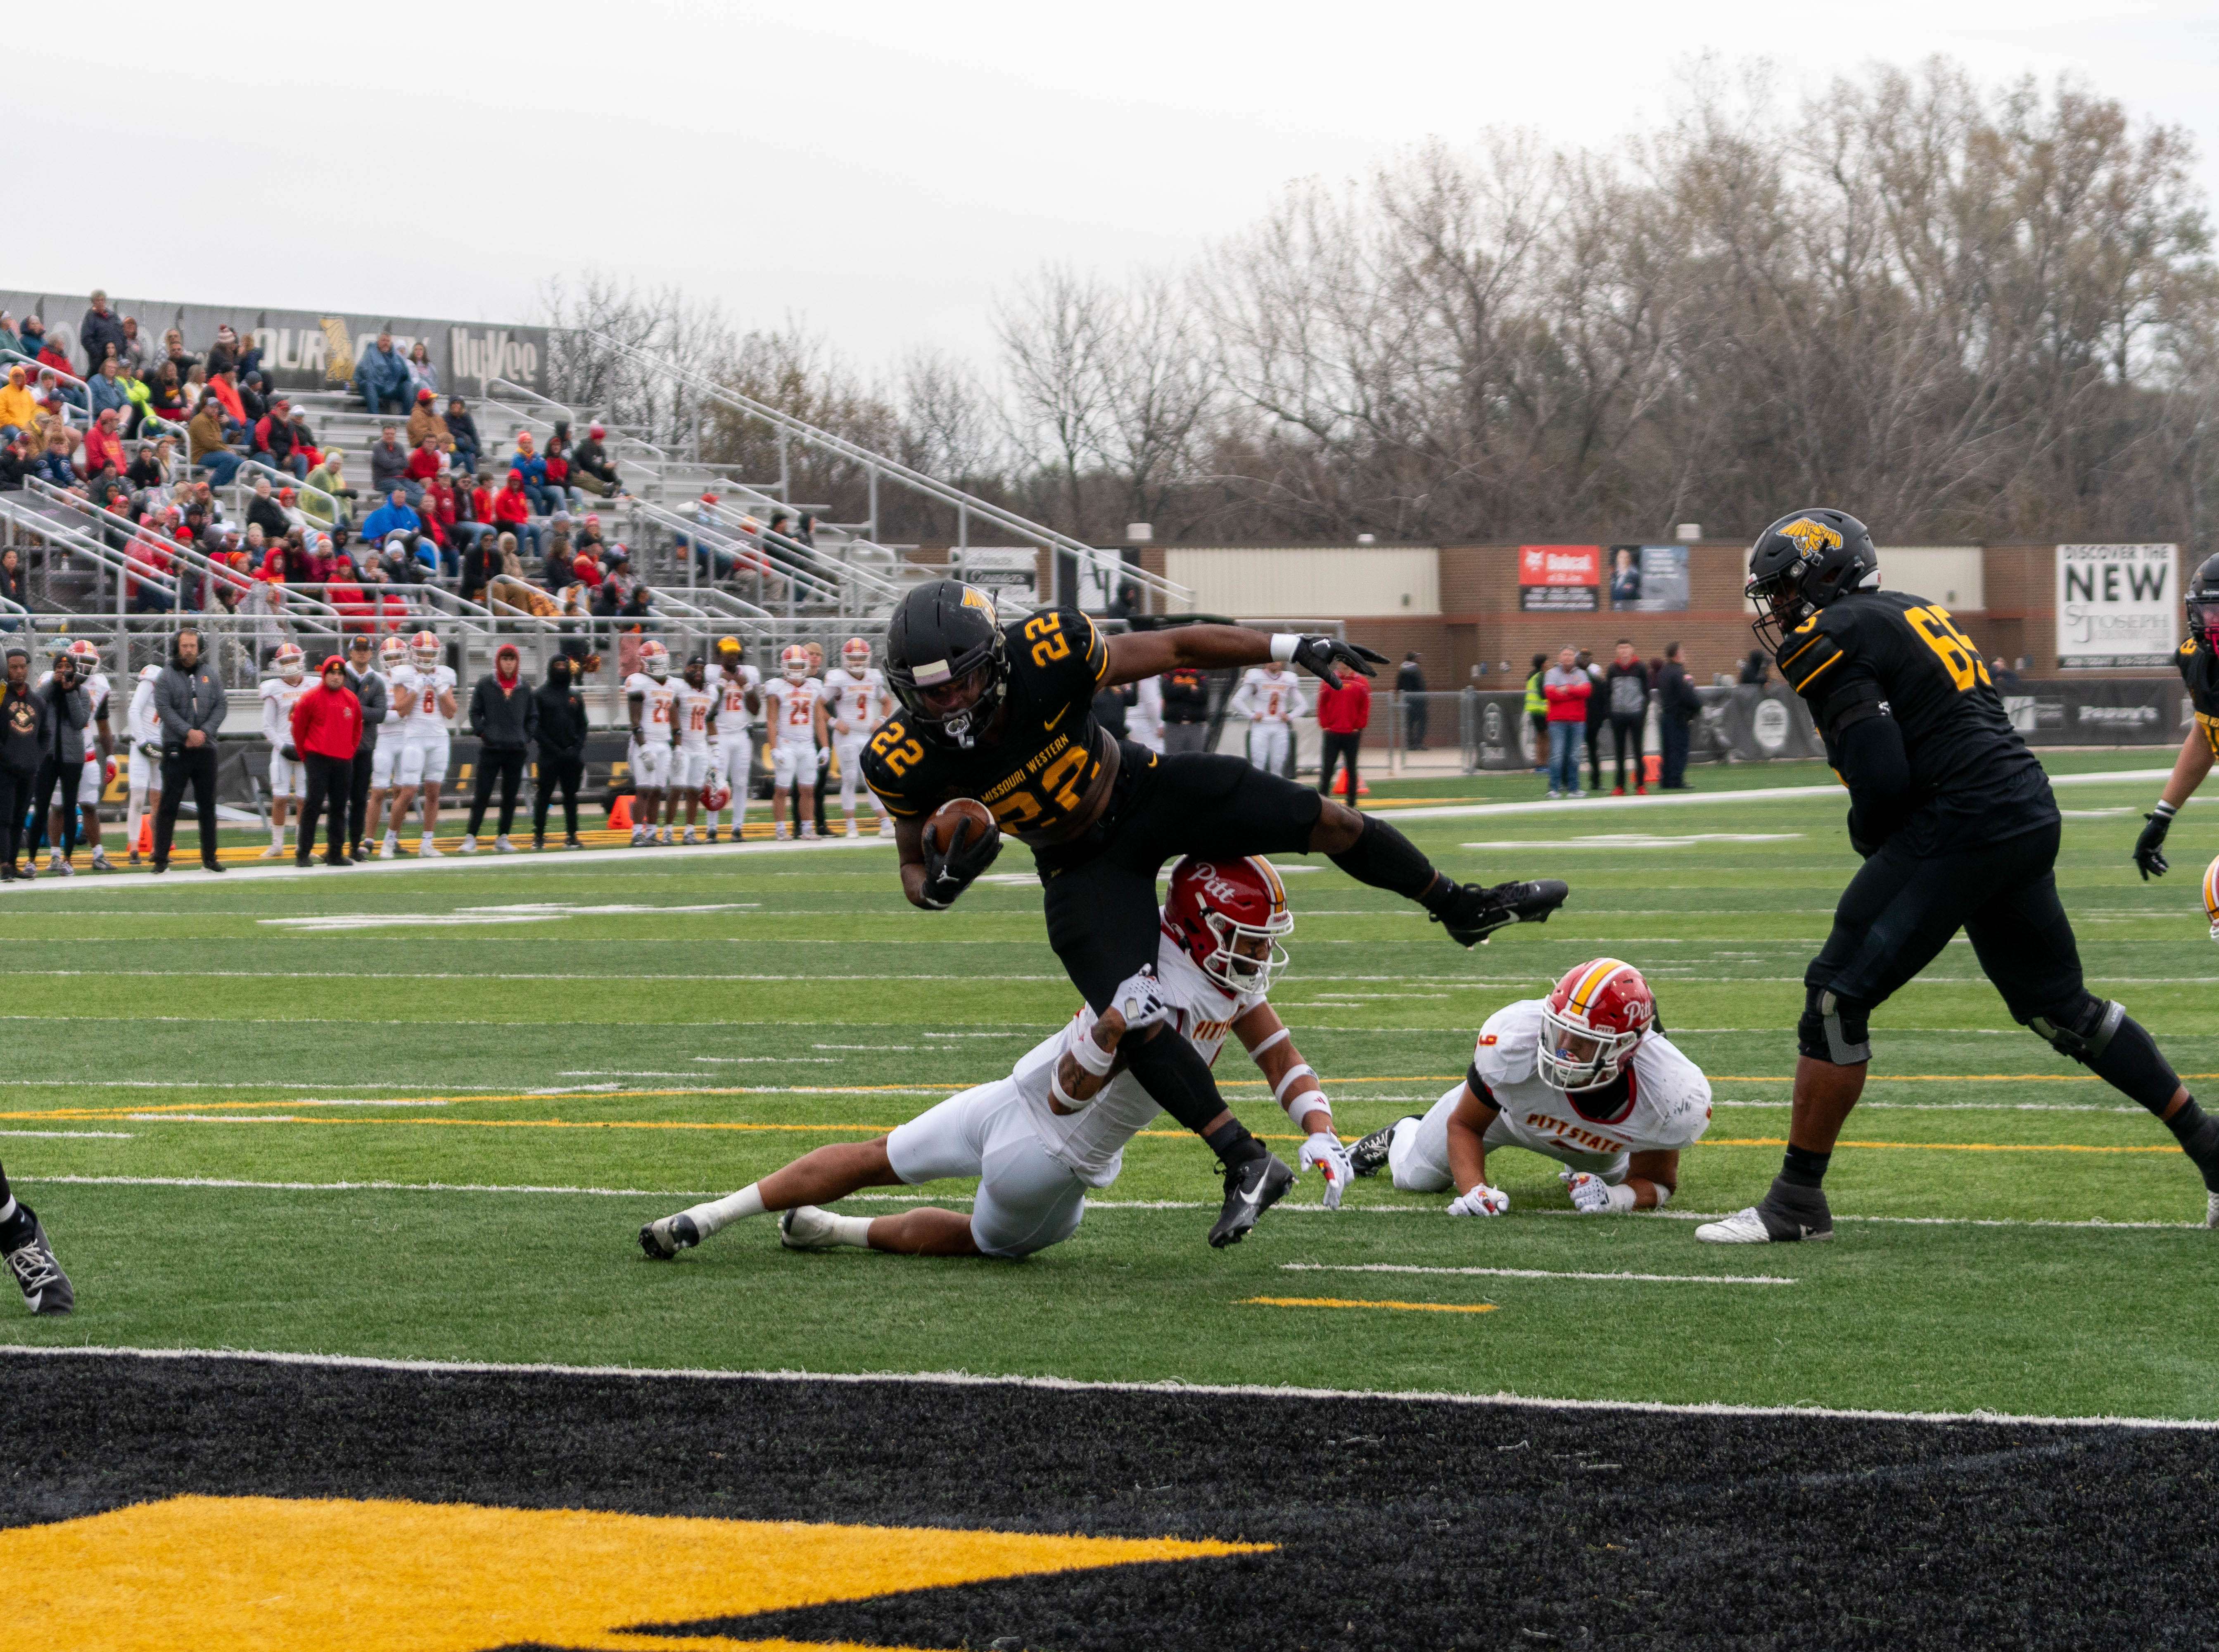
<point>851,1229</point>
<point>277,838</point>
<point>723,1213</point>
<point>7,1211</point>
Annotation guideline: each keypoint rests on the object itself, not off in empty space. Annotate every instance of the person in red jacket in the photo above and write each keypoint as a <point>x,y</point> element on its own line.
<point>1566,687</point>
<point>1343,714</point>
<point>327,730</point>
<point>511,511</point>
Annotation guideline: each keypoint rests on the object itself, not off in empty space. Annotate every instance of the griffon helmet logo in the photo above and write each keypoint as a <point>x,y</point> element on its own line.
<point>1811,537</point>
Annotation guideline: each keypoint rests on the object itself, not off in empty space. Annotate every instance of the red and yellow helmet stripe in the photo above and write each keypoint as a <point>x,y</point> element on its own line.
<point>2211,897</point>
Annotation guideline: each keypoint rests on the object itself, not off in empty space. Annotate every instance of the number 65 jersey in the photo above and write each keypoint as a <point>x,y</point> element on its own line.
<point>1972,779</point>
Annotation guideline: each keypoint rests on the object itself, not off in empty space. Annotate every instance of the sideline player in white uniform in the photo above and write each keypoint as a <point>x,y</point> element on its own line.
<point>796,711</point>
<point>1582,1076</point>
<point>1144,722</point>
<point>652,700</point>
<point>694,712</point>
<point>1056,1127</point>
<point>385,755</point>
<point>1271,699</point>
<point>286,771</point>
<point>857,691</point>
<point>425,691</point>
<point>738,687</point>
<point>142,727</point>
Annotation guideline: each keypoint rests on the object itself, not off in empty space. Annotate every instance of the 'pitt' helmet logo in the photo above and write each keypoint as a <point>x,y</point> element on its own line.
<point>1812,537</point>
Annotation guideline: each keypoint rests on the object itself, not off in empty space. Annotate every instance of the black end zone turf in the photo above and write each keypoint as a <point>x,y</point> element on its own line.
<point>1400,1525</point>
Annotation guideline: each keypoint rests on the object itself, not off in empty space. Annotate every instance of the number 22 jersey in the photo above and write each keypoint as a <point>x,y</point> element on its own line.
<point>1972,779</point>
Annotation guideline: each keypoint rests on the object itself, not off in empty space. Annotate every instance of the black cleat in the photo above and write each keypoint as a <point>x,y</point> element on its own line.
<point>1472,914</point>
<point>1249,1190</point>
<point>45,1287</point>
<point>666,1236</point>
<point>1369,1156</point>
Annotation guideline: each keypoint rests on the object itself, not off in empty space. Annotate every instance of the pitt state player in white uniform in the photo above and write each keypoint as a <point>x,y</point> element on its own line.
<point>1056,1127</point>
<point>385,754</point>
<point>142,727</point>
<point>1271,699</point>
<point>425,692</point>
<point>1582,1076</point>
<point>738,688</point>
<point>857,691</point>
<point>693,711</point>
<point>795,705</point>
<point>652,699</point>
<point>286,771</point>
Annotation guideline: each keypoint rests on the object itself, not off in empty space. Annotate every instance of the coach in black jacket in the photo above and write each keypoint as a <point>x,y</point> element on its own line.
<point>1678,705</point>
<point>27,732</point>
<point>559,722</point>
<point>504,716</point>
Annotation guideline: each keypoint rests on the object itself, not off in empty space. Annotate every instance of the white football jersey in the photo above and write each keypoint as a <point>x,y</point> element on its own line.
<point>96,688</point>
<point>278,696</point>
<point>417,693</point>
<point>396,703</point>
<point>1270,696</point>
<point>731,690</point>
<point>1092,1141</point>
<point>145,727</point>
<point>855,701</point>
<point>791,710</point>
<point>658,711</point>
<point>1668,1099</point>
<point>692,708</point>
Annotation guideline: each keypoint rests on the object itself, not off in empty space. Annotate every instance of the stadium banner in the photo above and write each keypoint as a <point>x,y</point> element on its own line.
<point>1649,579</point>
<point>2117,606</point>
<point>307,350</point>
<point>1559,579</point>
<point>2100,713</point>
<point>1011,571</point>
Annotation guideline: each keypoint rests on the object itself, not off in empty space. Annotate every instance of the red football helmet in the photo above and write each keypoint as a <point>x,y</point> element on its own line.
<point>715,796</point>
<point>1595,1019</point>
<point>1215,906</point>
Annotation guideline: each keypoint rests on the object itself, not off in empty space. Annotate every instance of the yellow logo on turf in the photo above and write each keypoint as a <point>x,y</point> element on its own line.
<point>1812,537</point>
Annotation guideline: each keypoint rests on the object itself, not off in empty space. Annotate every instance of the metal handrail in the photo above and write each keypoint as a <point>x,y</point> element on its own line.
<point>175,432</point>
<point>282,479</point>
<point>191,555</point>
<point>77,541</point>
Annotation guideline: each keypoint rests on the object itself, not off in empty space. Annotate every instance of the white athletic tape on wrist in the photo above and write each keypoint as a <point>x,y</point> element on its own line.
<point>1310,1101</point>
<point>1663,1195</point>
<point>1300,1070</point>
<point>1091,1056</point>
<point>1620,1198</point>
<point>1065,1097</point>
<point>1283,645</point>
<point>2166,810</point>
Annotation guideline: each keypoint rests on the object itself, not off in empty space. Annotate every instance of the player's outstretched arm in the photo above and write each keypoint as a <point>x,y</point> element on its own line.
<point>2187,772</point>
<point>1135,655</point>
<point>1468,1126</point>
<point>1295,1087</point>
<point>1651,1179</point>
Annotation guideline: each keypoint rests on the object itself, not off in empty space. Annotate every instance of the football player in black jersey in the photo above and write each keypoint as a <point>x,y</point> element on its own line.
<point>2198,660</point>
<point>1955,822</point>
<point>1004,714</point>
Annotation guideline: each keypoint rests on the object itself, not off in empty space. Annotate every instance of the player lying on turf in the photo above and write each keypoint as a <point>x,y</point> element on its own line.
<point>1058,1125</point>
<point>1584,1075</point>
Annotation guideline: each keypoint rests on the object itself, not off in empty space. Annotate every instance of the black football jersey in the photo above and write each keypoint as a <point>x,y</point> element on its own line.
<point>2199,674</point>
<point>1973,777</point>
<point>1049,753</point>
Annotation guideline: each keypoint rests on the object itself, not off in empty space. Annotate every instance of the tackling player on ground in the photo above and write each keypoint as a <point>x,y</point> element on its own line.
<point>1057,1127</point>
<point>1955,821</point>
<point>2198,657</point>
<point>1004,714</point>
<point>1585,1076</point>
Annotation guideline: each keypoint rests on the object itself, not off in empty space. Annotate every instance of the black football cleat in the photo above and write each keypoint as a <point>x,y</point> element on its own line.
<point>1369,1156</point>
<point>45,1287</point>
<point>1249,1190</point>
<point>666,1236</point>
<point>1473,913</point>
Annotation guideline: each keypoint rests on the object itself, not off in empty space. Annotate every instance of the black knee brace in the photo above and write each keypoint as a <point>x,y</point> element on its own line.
<point>2082,1028</point>
<point>1832,1028</point>
<point>2100,1036</point>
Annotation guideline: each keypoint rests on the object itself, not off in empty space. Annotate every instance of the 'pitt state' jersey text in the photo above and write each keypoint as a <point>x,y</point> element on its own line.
<point>1973,779</point>
<point>1037,774</point>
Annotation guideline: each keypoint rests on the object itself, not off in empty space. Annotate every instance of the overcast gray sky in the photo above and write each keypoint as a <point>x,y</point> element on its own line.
<point>879,170</point>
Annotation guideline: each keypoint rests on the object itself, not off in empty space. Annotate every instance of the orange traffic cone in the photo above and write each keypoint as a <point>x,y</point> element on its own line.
<point>145,843</point>
<point>620,813</point>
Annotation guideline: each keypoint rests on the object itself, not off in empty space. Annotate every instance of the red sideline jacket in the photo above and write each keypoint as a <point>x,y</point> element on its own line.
<point>328,721</point>
<point>1347,708</point>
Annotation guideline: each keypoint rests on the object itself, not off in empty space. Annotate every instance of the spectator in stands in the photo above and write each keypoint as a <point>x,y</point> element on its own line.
<point>19,408</point>
<point>52,464</point>
<point>327,732</point>
<point>424,463</point>
<point>174,353</point>
<point>103,444</point>
<point>223,355</point>
<point>15,464</point>
<point>473,508</point>
<point>394,516</point>
<point>589,536</point>
<point>54,415</point>
<point>424,422</point>
<point>423,377</point>
<point>1626,690</point>
<point>1567,688</point>
<point>100,334</point>
<point>136,353</point>
<point>559,489</point>
<point>254,397</point>
<point>42,350</point>
<point>590,467</point>
<point>328,500</point>
<point>527,463</point>
<point>235,421</point>
<point>381,377</point>
<point>463,432</point>
<point>10,340</point>
<point>274,440</point>
<point>110,389</point>
<point>1343,714</point>
<point>147,472</point>
<point>561,551</point>
<point>165,398</point>
<point>208,449</point>
<point>264,511</point>
<point>389,463</point>
<point>14,585</point>
<point>148,554</point>
<point>1678,705</point>
<point>511,511</point>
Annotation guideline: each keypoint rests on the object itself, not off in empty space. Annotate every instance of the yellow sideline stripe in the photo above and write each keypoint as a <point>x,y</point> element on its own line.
<point>1339,1302</point>
<point>1948,1146</point>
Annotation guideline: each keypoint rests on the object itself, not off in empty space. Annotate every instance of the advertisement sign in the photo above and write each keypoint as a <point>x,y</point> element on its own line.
<point>2100,713</point>
<point>1559,579</point>
<point>305,350</point>
<point>1007,575</point>
<point>1649,579</point>
<point>2117,606</point>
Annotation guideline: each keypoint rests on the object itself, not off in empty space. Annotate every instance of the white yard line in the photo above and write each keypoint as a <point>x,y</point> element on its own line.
<point>1074,1385</point>
<point>1538,1273</point>
<point>1752,794</point>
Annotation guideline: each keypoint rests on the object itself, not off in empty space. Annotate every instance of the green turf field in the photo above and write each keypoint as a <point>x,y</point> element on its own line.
<point>208,1081</point>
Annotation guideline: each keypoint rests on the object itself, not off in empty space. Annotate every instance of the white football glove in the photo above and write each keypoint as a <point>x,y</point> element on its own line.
<point>1481,1201</point>
<point>1592,1196</point>
<point>1322,1148</point>
<point>1139,999</point>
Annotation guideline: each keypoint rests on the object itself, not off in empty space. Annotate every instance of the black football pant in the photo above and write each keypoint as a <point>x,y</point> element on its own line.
<point>1595,757</point>
<point>358,775</point>
<point>1338,748</point>
<point>184,766</point>
<point>557,772</point>
<point>1674,733</point>
<point>508,766</point>
<point>330,781</point>
<point>1623,730</point>
<point>14,802</point>
<point>52,772</point>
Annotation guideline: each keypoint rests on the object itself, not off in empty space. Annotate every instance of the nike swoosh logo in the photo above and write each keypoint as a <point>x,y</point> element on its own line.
<point>1057,718</point>
<point>1250,1199</point>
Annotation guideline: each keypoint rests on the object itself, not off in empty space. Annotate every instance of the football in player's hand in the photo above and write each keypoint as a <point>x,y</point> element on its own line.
<point>957,823</point>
